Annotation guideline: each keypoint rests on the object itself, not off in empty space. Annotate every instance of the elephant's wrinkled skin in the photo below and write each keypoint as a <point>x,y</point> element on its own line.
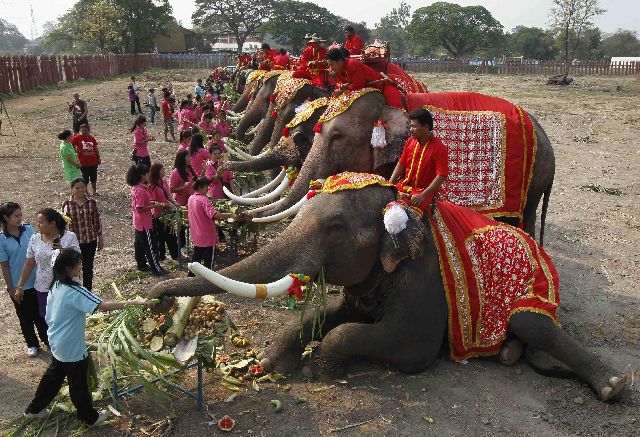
<point>394,307</point>
<point>257,109</point>
<point>345,145</point>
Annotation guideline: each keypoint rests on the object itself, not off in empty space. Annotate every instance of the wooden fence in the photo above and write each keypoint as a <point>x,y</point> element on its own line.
<point>208,61</point>
<point>24,73</point>
<point>531,67</point>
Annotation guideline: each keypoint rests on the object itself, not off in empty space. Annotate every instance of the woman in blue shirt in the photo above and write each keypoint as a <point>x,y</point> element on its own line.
<point>68,303</point>
<point>14,240</point>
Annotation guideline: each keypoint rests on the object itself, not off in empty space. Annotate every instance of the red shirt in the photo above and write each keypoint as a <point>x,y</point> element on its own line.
<point>422,164</point>
<point>358,75</point>
<point>167,110</point>
<point>354,45</point>
<point>281,62</point>
<point>87,149</point>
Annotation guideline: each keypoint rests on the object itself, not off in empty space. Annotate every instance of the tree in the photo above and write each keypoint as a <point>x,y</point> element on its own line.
<point>240,18</point>
<point>461,31</point>
<point>292,20</point>
<point>11,39</point>
<point>532,43</point>
<point>570,18</point>
<point>621,43</point>
<point>391,28</point>
<point>143,20</point>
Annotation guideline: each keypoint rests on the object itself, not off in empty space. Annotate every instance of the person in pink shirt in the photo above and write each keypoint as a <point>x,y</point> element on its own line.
<point>198,107</point>
<point>216,140</point>
<point>185,141</point>
<point>141,138</point>
<point>141,206</point>
<point>187,116</point>
<point>218,178</point>
<point>223,125</point>
<point>223,104</point>
<point>160,192</point>
<point>201,223</point>
<point>207,123</point>
<point>181,178</point>
<point>198,154</point>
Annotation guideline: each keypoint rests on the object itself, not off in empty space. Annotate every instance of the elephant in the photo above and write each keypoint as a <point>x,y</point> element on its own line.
<point>393,309</point>
<point>244,89</point>
<point>344,144</point>
<point>290,151</point>
<point>258,107</point>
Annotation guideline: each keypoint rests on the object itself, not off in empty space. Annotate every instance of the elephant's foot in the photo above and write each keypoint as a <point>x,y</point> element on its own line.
<point>318,366</point>
<point>609,386</point>
<point>280,359</point>
<point>510,351</point>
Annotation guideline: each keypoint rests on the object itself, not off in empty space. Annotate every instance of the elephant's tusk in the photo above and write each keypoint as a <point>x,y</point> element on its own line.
<point>282,214</point>
<point>242,289</point>
<point>237,154</point>
<point>266,207</point>
<point>284,184</point>
<point>255,129</point>
<point>270,186</point>
<point>245,156</point>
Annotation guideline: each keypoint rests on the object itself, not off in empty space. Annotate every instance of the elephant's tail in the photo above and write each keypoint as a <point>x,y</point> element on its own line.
<point>545,206</point>
<point>544,364</point>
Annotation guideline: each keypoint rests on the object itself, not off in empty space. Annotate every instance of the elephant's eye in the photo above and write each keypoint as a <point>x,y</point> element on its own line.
<point>336,225</point>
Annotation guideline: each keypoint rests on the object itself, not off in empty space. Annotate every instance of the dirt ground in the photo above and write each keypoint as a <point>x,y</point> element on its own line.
<point>593,238</point>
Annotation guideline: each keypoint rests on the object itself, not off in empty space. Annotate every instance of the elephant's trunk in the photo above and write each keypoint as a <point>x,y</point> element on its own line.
<point>250,118</point>
<point>265,162</point>
<point>241,104</point>
<point>263,135</point>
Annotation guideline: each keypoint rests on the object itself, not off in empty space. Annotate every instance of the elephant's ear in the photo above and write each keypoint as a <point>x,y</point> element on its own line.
<point>398,245</point>
<point>396,133</point>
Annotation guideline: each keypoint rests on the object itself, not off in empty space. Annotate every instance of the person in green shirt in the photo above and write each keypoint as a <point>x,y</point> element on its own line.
<point>70,162</point>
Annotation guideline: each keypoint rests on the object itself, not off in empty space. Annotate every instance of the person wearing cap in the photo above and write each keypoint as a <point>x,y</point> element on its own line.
<point>313,65</point>
<point>353,75</point>
<point>353,43</point>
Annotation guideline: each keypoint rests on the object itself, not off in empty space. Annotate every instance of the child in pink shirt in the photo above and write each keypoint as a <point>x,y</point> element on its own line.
<point>141,206</point>
<point>187,117</point>
<point>140,152</point>
<point>216,140</point>
<point>159,191</point>
<point>223,125</point>
<point>181,178</point>
<point>207,124</point>
<point>201,224</point>
<point>198,153</point>
<point>185,141</point>
<point>218,178</point>
<point>223,105</point>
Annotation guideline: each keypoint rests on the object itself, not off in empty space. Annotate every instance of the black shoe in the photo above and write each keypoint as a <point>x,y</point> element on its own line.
<point>144,269</point>
<point>162,272</point>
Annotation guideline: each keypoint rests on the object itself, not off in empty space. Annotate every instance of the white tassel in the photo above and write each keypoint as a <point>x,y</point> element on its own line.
<point>302,107</point>
<point>378,136</point>
<point>395,218</point>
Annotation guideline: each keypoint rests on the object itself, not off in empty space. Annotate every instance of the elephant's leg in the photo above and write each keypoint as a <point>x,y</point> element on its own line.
<point>542,333</point>
<point>284,354</point>
<point>404,348</point>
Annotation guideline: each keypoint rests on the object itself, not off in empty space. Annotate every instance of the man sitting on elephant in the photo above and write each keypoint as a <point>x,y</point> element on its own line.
<point>353,75</point>
<point>424,163</point>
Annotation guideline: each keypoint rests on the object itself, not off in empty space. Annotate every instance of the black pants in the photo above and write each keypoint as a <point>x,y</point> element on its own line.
<point>89,173</point>
<point>30,319</point>
<point>133,106</point>
<point>144,160</point>
<point>163,236</point>
<point>77,123</point>
<point>77,376</point>
<point>88,251</point>
<point>206,255</point>
<point>144,254</point>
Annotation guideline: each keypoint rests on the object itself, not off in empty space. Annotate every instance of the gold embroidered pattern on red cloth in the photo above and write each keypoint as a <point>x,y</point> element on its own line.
<point>352,181</point>
<point>490,271</point>
<point>337,105</point>
<point>286,89</point>
<point>477,144</point>
<point>306,113</point>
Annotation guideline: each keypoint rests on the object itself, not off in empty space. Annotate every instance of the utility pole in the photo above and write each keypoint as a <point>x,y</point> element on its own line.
<point>34,29</point>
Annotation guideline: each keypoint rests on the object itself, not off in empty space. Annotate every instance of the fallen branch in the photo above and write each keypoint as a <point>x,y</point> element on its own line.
<point>348,426</point>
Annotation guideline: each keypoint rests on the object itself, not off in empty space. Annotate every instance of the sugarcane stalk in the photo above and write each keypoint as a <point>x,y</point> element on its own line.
<point>180,319</point>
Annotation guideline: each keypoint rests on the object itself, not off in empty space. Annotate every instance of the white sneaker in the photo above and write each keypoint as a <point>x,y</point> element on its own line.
<point>102,417</point>
<point>39,415</point>
<point>32,352</point>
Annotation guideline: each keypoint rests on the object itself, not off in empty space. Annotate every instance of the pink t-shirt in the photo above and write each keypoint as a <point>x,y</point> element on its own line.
<point>175,181</point>
<point>207,127</point>
<point>182,146</point>
<point>221,145</point>
<point>140,138</point>
<point>215,188</point>
<point>159,193</point>
<point>220,106</point>
<point>187,115</point>
<point>142,220</point>
<point>223,128</point>
<point>198,159</point>
<point>201,225</point>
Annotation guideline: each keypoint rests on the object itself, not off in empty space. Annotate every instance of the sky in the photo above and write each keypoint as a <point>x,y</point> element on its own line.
<point>620,13</point>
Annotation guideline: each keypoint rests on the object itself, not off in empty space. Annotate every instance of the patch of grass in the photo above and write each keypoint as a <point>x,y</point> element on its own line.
<point>600,189</point>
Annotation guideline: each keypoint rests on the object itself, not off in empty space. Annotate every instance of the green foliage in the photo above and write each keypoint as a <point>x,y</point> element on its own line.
<point>392,28</point>
<point>11,40</point>
<point>532,43</point>
<point>142,20</point>
<point>461,31</point>
<point>240,18</point>
<point>621,43</point>
<point>569,21</point>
